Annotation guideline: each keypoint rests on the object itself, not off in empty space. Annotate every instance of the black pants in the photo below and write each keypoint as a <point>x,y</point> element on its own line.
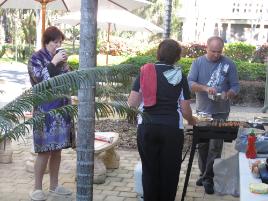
<point>160,149</point>
<point>209,151</point>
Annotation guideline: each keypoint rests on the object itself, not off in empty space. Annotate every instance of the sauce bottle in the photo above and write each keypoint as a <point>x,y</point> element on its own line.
<point>251,148</point>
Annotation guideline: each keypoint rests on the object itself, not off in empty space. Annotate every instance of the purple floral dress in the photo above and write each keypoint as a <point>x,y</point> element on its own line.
<point>56,132</point>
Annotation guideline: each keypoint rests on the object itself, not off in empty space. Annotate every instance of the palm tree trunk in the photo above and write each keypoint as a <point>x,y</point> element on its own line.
<point>167,18</point>
<point>86,107</point>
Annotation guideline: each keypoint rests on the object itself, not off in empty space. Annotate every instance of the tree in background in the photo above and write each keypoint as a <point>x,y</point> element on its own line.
<point>156,14</point>
<point>74,31</point>
<point>5,24</point>
<point>19,31</point>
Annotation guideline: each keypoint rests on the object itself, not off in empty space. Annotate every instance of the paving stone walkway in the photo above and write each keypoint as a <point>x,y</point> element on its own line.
<point>16,183</point>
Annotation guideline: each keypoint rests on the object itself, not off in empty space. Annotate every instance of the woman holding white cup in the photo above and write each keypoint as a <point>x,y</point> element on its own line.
<point>55,135</point>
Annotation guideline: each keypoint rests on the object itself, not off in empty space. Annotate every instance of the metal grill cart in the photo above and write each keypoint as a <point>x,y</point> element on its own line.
<point>203,132</point>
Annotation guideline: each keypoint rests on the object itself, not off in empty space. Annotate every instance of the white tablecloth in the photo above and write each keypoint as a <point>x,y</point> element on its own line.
<point>245,179</point>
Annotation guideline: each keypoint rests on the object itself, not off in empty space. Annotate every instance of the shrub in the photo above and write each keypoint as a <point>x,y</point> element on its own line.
<point>260,54</point>
<point>139,61</point>
<point>251,71</point>
<point>251,92</point>
<point>188,50</point>
<point>118,46</point>
<point>73,62</point>
<point>186,63</point>
<point>3,51</point>
<point>246,70</point>
<point>151,52</point>
<point>193,50</point>
<point>239,51</point>
<point>24,51</point>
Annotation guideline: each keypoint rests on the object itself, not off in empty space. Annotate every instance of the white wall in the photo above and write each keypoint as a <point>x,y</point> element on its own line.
<point>200,16</point>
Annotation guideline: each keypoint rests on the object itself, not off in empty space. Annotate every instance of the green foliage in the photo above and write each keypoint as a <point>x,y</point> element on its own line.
<point>139,61</point>
<point>117,47</point>
<point>28,25</point>
<point>193,50</point>
<point>246,70</point>
<point>251,92</point>
<point>186,63</point>
<point>11,114</point>
<point>260,54</point>
<point>73,62</point>
<point>24,51</point>
<point>74,32</point>
<point>251,71</point>
<point>109,102</point>
<point>3,51</point>
<point>239,51</point>
<point>150,52</point>
<point>155,13</point>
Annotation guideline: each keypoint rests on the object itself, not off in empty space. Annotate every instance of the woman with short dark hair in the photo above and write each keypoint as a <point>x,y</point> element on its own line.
<point>55,135</point>
<point>169,52</point>
<point>161,91</point>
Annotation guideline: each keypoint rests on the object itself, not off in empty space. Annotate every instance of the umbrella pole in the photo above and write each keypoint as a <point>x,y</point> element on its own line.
<point>108,43</point>
<point>44,4</point>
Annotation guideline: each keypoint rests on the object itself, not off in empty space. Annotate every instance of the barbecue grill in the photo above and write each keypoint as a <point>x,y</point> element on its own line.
<point>206,130</point>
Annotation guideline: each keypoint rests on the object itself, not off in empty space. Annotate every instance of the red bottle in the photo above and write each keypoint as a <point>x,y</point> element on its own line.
<point>251,148</point>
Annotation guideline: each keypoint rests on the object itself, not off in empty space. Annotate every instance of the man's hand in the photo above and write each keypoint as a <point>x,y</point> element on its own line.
<point>192,121</point>
<point>230,94</point>
<point>211,90</point>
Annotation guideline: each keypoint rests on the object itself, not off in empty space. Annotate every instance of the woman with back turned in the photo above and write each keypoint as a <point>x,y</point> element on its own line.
<point>162,90</point>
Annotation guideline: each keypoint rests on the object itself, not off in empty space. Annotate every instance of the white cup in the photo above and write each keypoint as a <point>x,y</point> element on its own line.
<point>59,49</point>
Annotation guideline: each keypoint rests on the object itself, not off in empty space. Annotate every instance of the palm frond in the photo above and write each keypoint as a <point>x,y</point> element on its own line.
<point>15,131</point>
<point>114,81</point>
<point>84,78</point>
<point>119,107</point>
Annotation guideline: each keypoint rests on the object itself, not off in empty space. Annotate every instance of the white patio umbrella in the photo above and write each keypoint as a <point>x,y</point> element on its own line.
<point>113,20</point>
<point>69,5</point>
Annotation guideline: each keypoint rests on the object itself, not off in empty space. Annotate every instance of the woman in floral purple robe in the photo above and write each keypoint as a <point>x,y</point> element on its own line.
<point>55,135</point>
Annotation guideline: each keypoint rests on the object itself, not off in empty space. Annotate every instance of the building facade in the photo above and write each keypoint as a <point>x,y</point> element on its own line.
<point>243,20</point>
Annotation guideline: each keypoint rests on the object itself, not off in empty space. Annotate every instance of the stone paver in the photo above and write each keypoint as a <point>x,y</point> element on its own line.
<point>16,183</point>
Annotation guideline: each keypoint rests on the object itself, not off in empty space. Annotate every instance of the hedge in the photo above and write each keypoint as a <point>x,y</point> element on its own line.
<point>239,51</point>
<point>251,93</point>
<point>246,71</point>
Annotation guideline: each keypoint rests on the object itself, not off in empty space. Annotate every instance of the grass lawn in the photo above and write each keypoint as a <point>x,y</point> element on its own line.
<point>11,60</point>
<point>112,60</point>
<point>101,60</point>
